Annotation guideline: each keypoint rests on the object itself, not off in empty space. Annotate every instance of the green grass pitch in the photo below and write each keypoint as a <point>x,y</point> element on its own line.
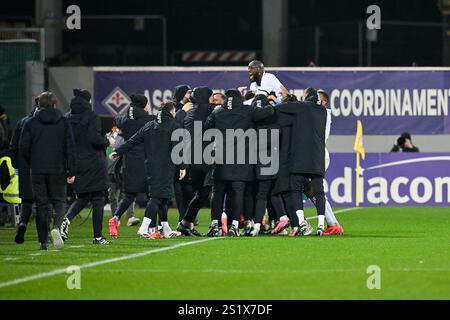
<point>410,245</point>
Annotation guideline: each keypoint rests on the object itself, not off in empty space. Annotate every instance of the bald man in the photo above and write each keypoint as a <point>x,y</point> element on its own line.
<point>263,82</point>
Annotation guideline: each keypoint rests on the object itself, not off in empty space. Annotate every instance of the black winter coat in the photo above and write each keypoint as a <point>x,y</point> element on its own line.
<point>268,127</point>
<point>18,162</point>
<point>307,152</point>
<point>91,173</point>
<point>235,116</point>
<point>47,143</point>
<point>198,115</point>
<point>155,138</point>
<point>133,163</point>
<point>284,122</point>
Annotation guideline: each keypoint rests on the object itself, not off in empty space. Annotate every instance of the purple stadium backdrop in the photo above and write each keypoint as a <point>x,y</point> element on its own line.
<point>387,102</point>
<point>392,179</point>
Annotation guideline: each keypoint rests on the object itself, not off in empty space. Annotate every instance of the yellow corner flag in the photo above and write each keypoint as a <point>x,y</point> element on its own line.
<point>358,147</point>
<point>360,152</point>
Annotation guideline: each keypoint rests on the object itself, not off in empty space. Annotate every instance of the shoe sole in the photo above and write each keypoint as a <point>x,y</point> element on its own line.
<point>133,223</point>
<point>57,240</point>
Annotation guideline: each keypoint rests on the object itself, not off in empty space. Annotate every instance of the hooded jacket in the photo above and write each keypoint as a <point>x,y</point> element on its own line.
<point>133,163</point>
<point>307,145</point>
<point>91,172</point>
<point>155,138</point>
<point>47,143</point>
<point>233,114</point>
<point>178,94</point>
<point>198,114</point>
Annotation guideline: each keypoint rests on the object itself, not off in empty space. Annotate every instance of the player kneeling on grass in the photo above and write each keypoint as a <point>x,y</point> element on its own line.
<point>156,137</point>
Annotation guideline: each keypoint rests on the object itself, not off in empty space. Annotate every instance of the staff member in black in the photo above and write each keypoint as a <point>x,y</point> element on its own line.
<point>307,155</point>
<point>91,172</point>
<point>48,147</point>
<point>133,166</point>
<point>25,189</point>
<point>202,108</point>
<point>233,114</point>
<point>155,137</point>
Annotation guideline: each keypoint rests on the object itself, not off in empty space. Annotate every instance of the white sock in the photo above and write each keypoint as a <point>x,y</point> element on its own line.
<point>165,226</point>
<point>144,226</point>
<point>235,224</point>
<point>152,230</point>
<point>215,221</point>
<point>191,226</point>
<point>321,220</point>
<point>257,226</point>
<point>300,215</point>
<point>285,217</point>
<point>329,215</point>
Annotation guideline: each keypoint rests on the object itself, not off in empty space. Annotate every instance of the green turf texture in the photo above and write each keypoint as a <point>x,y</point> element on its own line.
<point>410,245</point>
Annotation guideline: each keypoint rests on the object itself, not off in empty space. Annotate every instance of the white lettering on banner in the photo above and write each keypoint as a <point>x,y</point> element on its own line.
<point>378,192</point>
<point>346,183</point>
<point>395,190</point>
<point>427,190</point>
<point>400,190</point>
<point>439,185</point>
<point>389,102</point>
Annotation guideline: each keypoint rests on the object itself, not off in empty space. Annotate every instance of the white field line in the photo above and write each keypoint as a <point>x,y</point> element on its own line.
<point>101,262</point>
<point>127,257</point>
<point>337,212</point>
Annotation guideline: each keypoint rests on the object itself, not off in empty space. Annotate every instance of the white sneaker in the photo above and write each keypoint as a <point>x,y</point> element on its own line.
<point>57,240</point>
<point>133,221</point>
<point>305,228</point>
<point>65,229</point>
<point>254,232</point>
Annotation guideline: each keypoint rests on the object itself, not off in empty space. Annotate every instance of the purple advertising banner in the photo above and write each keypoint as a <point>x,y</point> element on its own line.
<point>390,179</point>
<point>387,101</point>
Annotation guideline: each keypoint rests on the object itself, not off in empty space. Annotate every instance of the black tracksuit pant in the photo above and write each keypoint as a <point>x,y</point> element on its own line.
<point>126,201</point>
<point>97,199</point>
<point>201,193</point>
<point>48,189</point>
<point>183,195</point>
<point>264,199</point>
<point>300,184</point>
<point>157,207</point>
<point>237,199</point>
<point>26,210</point>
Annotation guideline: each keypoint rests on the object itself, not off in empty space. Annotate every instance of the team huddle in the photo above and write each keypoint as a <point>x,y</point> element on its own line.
<point>244,173</point>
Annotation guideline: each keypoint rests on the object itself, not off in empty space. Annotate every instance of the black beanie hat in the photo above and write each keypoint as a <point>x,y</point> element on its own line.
<point>138,100</point>
<point>82,93</point>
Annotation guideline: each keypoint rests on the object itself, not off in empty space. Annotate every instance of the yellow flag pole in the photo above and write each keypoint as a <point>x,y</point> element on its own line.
<point>358,169</point>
